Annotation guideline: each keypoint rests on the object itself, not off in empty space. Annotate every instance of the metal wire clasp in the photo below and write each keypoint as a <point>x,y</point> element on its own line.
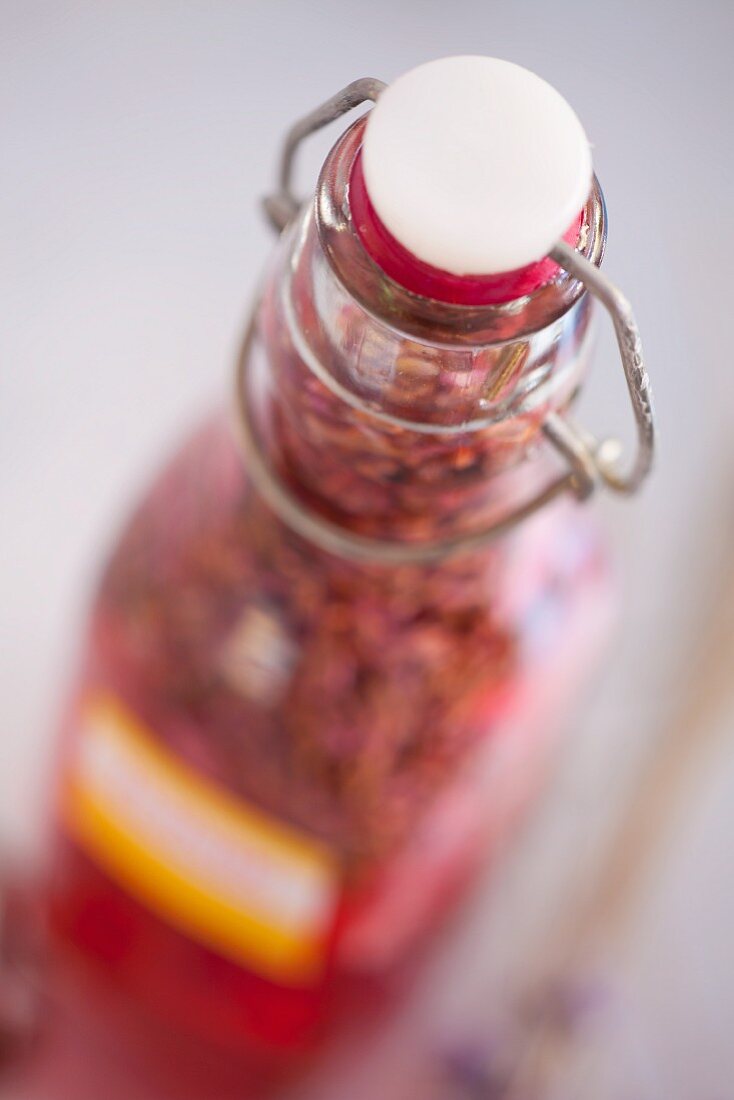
<point>590,462</point>
<point>281,207</point>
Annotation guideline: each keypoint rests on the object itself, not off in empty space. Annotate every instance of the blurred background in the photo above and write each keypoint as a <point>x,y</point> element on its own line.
<point>136,140</point>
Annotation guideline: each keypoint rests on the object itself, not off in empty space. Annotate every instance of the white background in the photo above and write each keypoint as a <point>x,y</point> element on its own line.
<point>135,142</point>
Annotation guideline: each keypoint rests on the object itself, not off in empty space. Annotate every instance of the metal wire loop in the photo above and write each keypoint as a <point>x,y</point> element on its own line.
<point>281,207</point>
<point>603,456</point>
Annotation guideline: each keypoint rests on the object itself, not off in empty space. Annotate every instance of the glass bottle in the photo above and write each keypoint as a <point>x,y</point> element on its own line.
<point>321,684</point>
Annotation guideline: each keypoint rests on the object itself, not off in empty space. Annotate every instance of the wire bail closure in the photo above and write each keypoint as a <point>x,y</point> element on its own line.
<point>591,462</point>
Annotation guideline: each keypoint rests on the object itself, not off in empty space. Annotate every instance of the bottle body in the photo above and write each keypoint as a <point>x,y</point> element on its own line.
<point>280,766</point>
<point>401,844</point>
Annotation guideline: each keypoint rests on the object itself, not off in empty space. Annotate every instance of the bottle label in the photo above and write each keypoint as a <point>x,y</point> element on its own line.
<point>224,873</point>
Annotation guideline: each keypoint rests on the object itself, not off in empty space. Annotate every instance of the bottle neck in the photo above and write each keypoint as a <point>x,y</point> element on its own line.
<point>401,417</point>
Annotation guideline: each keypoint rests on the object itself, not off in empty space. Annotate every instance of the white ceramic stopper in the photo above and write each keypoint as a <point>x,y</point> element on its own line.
<point>475,165</point>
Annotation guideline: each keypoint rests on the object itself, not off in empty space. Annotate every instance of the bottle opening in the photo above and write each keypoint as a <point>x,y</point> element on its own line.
<point>421,278</point>
<point>471,170</point>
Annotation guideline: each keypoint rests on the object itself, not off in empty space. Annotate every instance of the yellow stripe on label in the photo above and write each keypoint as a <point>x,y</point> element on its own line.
<point>227,874</point>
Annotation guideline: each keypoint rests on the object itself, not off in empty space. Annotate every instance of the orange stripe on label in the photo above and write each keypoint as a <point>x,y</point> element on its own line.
<point>225,873</point>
